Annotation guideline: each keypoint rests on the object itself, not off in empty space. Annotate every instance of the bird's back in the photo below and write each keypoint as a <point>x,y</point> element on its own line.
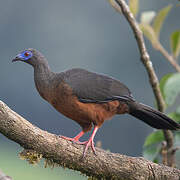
<point>92,87</point>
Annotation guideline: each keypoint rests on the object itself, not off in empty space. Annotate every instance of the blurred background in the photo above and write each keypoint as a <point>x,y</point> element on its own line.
<point>86,34</point>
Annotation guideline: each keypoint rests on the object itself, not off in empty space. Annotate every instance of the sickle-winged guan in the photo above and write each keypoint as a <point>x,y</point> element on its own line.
<point>89,98</point>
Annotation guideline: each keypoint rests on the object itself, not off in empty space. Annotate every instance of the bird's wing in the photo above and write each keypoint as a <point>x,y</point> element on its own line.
<point>95,88</point>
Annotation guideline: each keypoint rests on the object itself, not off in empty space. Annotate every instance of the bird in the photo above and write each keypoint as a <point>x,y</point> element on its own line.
<point>89,98</point>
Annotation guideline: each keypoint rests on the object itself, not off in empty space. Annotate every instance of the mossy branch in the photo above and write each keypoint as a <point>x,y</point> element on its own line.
<point>105,165</point>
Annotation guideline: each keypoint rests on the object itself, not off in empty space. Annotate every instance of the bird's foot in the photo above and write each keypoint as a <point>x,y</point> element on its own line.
<point>84,142</point>
<point>88,143</point>
<point>74,140</point>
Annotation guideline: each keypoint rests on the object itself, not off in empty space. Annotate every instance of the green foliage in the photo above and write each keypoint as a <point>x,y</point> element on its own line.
<point>149,33</point>
<point>171,88</point>
<point>151,24</point>
<point>159,19</point>
<point>152,31</point>
<point>147,17</point>
<point>153,138</point>
<point>134,6</point>
<point>152,145</point>
<point>163,82</point>
<point>175,43</point>
<point>152,152</point>
<point>175,116</point>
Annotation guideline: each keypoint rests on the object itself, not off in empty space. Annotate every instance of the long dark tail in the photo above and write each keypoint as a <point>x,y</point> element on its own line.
<point>151,116</point>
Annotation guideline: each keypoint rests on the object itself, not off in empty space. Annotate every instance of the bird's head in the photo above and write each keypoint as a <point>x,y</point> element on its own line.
<point>30,56</point>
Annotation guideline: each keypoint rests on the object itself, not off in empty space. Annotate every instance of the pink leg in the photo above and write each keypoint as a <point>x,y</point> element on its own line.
<point>90,142</point>
<point>75,139</point>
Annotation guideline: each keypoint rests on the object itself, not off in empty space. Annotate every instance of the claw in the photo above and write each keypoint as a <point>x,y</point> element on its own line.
<point>75,139</point>
<point>88,143</point>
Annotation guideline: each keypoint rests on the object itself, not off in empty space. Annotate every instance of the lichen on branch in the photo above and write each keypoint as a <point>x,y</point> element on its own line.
<point>54,149</point>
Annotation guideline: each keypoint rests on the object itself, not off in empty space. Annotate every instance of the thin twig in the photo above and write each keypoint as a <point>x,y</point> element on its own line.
<point>169,57</point>
<point>164,153</point>
<point>145,58</point>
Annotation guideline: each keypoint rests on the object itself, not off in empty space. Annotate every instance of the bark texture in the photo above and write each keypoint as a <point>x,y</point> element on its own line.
<point>105,165</point>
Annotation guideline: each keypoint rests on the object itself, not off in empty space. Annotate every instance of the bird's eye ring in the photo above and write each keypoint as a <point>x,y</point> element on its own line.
<point>26,54</point>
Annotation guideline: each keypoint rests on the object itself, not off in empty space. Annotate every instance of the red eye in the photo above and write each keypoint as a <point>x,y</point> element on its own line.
<point>26,54</point>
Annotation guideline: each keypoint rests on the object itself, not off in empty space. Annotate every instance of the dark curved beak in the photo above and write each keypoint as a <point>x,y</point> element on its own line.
<point>16,59</point>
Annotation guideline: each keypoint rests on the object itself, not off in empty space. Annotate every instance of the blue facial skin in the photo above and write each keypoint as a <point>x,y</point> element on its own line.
<point>25,55</point>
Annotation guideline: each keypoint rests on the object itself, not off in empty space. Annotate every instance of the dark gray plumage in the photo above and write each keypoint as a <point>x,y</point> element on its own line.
<point>93,87</point>
<point>89,98</point>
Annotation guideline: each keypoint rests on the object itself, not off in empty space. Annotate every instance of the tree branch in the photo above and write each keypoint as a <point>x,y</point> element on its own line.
<point>145,58</point>
<point>169,57</point>
<point>105,165</point>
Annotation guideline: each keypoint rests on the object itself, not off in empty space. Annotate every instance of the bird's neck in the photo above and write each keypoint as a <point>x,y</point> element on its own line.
<point>43,78</point>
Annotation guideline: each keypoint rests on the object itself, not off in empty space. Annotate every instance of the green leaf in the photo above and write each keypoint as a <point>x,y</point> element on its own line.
<point>175,43</point>
<point>149,33</point>
<point>159,19</point>
<point>175,116</point>
<point>152,145</point>
<point>151,152</point>
<point>147,17</point>
<point>163,82</point>
<point>153,138</point>
<point>134,6</point>
<point>172,88</point>
<point>156,160</point>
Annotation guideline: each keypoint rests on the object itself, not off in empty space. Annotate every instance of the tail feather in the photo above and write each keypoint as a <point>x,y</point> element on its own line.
<point>152,117</point>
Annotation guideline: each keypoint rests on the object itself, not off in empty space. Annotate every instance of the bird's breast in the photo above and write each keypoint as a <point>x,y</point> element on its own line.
<point>68,104</point>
